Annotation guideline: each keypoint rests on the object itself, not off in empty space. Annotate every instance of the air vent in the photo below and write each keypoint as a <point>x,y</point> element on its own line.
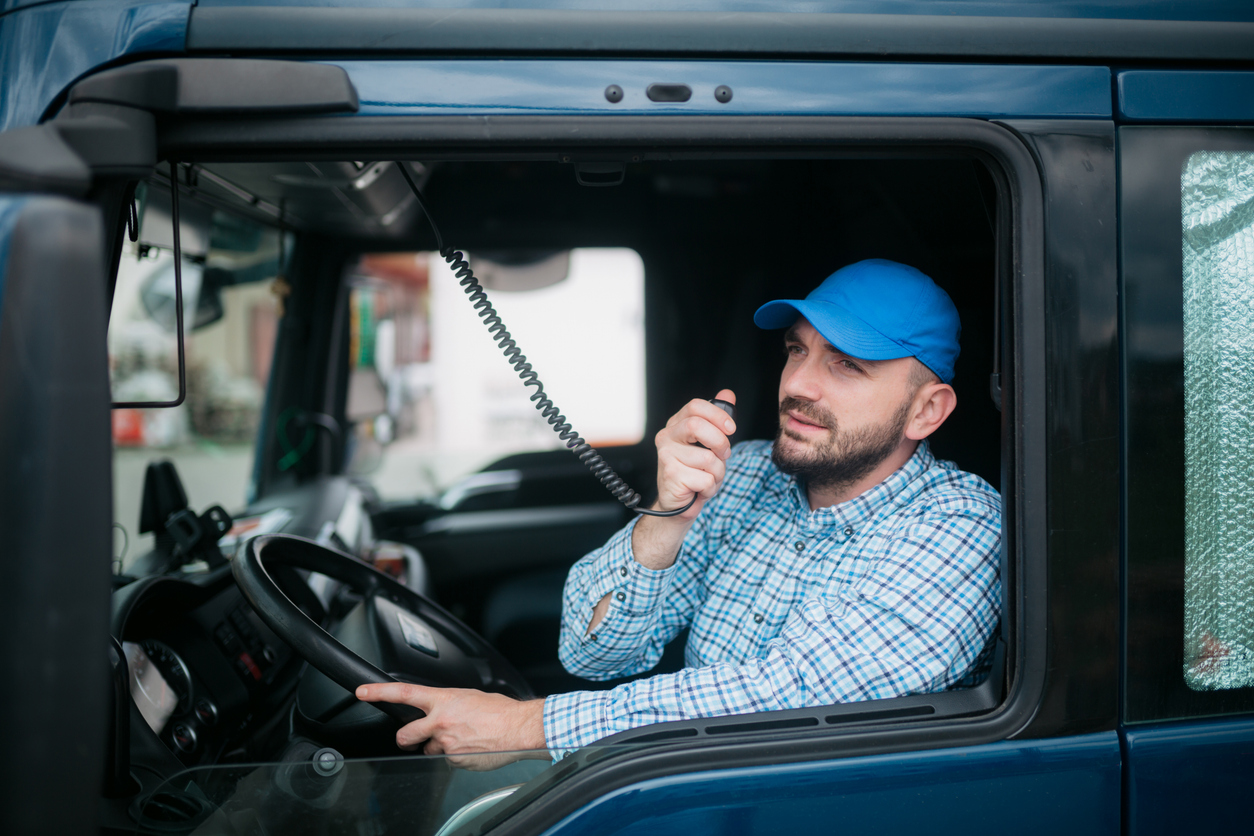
<point>886,714</point>
<point>169,811</point>
<point>766,725</point>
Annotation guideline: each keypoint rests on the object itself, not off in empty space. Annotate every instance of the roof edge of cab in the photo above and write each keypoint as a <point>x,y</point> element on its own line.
<point>285,29</point>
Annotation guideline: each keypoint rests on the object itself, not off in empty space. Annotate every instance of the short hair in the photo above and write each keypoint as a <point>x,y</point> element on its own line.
<point>921,375</point>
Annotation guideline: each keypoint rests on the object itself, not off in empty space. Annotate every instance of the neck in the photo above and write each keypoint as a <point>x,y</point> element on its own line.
<point>825,497</point>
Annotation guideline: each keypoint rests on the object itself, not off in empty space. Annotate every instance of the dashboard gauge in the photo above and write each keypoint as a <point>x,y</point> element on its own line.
<point>174,670</point>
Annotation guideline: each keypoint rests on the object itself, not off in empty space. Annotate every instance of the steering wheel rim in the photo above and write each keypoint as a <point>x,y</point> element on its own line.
<point>322,650</point>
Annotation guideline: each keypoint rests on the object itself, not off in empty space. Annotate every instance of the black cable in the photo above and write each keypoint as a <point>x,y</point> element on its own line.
<point>574,442</point>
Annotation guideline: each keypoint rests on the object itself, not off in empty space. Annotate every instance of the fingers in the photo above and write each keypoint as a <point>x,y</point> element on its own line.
<point>402,693</point>
<point>704,462</point>
<point>692,451</point>
<point>413,735</point>
<point>695,429</point>
<point>699,408</point>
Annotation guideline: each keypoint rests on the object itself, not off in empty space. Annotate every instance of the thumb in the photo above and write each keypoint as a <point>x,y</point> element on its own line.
<point>726,395</point>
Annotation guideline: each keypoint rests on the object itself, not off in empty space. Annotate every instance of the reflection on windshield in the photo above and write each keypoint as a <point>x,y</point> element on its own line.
<point>316,793</point>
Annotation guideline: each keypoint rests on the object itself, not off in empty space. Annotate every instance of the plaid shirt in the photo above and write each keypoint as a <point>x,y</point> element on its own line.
<point>894,592</point>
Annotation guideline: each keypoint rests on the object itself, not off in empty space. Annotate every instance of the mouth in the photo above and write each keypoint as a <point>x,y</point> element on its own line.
<point>798,423</point>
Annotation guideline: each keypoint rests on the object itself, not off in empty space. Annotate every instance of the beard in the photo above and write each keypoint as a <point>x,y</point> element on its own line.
<point>846,456</point>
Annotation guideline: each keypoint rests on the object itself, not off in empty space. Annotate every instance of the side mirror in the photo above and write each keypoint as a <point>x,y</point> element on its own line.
<point>158,295</point>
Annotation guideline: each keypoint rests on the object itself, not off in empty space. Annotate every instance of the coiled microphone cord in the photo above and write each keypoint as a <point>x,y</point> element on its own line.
<point>574,442</point>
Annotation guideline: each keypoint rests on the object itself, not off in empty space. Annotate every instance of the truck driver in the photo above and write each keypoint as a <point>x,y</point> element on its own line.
<point>840,563</point>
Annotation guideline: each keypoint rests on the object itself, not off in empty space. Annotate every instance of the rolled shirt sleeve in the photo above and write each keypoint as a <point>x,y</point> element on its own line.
<point>648,608</point>
<point>631,637</point>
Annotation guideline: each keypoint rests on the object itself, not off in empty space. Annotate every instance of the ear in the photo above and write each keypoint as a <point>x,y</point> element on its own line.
<point>932,404</point>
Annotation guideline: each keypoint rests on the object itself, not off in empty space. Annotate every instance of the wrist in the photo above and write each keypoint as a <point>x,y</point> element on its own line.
<point>655,541</point>
<point>531,725</point>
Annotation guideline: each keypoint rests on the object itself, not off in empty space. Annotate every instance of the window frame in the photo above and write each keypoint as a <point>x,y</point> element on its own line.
<point>1021,275</point>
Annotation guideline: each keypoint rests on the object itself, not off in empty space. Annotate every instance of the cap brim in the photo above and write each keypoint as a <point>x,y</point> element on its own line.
<point>842,329</point>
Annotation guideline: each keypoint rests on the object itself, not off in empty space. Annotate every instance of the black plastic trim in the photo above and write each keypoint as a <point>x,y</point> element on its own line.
<point>285,30</point>
<point>56,492</point>
<point>957,703</point>
<point>216,85</point>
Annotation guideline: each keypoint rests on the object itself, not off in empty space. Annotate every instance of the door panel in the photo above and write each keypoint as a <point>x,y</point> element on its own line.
<point>1187,229</point>
<point>1190,777</point>
<point>1067,785</point>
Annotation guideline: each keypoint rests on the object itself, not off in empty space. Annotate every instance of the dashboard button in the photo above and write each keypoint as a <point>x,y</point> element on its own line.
<point>184,738</point>
<point>206,712</point>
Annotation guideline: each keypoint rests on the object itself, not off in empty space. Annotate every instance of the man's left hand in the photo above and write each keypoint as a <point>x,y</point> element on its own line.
<point>462,721</point>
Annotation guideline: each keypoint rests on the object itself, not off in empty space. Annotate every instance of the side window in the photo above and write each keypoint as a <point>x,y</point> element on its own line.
<point>433,399</point>
<point>1217,210</point>
<point>1188,273</point>
<point>230,316</point>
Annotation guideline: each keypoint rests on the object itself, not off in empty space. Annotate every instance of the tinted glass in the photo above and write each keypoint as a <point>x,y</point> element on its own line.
<point>1188,273</point>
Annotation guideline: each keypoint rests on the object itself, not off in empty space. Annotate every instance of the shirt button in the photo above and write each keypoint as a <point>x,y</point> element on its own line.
<point>592,636</point>
<point>849,531</point>
<point>623,571</point>
<point>800,545</point>
<point>757,618</point>
<point>620,596</point>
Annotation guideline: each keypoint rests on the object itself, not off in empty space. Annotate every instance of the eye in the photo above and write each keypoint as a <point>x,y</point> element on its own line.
<point>793,350</point>
<point>851,366</point>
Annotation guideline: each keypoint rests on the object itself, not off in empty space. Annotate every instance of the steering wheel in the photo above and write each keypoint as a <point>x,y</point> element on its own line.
<point>414,638</point>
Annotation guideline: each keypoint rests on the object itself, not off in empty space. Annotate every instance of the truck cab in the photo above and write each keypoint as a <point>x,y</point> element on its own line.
<point>260,446</point>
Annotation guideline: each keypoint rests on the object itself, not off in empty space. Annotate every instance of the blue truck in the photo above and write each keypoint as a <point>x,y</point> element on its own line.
<point>249,461</point>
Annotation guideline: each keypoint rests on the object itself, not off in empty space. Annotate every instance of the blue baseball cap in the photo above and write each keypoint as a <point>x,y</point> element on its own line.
<point>878,310</point>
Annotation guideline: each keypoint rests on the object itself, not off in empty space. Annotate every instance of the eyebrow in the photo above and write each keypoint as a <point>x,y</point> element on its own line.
<point>793,335</point>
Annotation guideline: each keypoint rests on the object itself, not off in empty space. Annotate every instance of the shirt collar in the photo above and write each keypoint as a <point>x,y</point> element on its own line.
<point>859,510</point>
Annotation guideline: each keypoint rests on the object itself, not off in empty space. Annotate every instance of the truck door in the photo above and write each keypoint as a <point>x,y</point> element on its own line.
<point>1187,229</point>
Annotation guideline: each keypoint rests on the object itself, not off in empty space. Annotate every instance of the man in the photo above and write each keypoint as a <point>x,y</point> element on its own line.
<point>841,563</point>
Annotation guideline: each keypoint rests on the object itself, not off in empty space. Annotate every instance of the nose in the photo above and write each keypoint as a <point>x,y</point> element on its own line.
<point>801,380</point>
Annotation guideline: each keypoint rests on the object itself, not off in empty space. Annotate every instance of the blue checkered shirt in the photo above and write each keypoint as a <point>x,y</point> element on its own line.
<point>894,592</point>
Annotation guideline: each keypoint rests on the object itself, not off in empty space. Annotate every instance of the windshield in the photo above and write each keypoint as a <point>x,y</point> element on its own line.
<point>432,397</point>
<point>316,792</point>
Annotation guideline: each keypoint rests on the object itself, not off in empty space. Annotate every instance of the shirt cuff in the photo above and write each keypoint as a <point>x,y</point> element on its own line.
<point>574,720</point>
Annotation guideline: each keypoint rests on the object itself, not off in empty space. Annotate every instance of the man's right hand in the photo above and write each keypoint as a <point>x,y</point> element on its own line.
<point>692,451</point>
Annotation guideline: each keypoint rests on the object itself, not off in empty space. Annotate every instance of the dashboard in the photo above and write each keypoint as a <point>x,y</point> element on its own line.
<point>206,676</point>
<point>209,681</point>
